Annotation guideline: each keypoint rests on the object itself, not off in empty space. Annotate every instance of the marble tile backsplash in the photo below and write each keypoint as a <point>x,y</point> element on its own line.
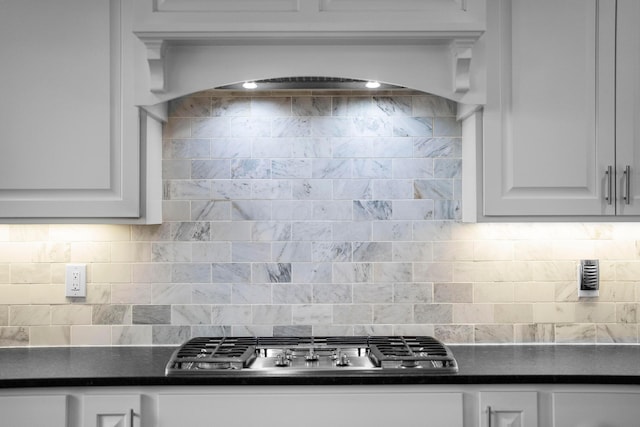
<point>325,213</point>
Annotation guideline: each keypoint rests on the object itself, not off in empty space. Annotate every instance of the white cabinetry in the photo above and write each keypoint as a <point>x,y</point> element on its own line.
<point>627,164</point>
<point>312,406</point>
<point>33,410</point>
<point>70,134</point>
<point>187,40</point>
<point>595,409</point>
<point>111,410</point>
<point>549,121</point>
<point>508,409</point>
<point>427,405</point>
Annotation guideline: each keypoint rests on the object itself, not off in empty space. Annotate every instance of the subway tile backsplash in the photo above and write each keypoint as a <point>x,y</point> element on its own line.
<point>326,213</point>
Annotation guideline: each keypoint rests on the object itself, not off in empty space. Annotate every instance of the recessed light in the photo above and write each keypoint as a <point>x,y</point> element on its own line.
<point>249,85</point>
<point>372,84</point>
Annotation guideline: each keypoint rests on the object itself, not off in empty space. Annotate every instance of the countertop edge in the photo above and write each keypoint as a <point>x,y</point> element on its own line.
<point>478,364</point>
<point>320,381</point>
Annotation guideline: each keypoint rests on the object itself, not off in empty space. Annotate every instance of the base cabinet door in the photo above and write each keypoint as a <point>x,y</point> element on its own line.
<point>18,411</point>
<point>122,410</point>
<point>508,409</point>
<point>294,407</point>
<point>596,409</point>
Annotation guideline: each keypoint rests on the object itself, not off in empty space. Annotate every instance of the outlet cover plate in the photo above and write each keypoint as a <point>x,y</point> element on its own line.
<point>76,281</point>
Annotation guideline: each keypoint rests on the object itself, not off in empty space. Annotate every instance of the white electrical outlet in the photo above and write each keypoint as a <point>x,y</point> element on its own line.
<point>76,280</point>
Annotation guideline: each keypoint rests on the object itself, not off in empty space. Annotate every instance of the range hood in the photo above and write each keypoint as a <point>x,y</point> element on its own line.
<point>433,46</point>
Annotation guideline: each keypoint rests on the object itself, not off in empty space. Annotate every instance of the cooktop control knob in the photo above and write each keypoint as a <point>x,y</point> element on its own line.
<point>342,359</point>
<point>311,356</point>
<point>282,359</point>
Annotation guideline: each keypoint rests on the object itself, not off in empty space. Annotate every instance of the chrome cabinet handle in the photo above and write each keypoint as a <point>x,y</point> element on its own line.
<point>488,416</point>
<point>131,415</point>
<point>627,185</point>
<point>607,195</point>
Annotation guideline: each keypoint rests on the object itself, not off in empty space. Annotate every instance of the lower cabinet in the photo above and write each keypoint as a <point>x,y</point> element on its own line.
<point>462,405</point>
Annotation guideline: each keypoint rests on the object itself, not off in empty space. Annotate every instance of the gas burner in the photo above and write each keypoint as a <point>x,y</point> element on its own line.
<point>308,355</point>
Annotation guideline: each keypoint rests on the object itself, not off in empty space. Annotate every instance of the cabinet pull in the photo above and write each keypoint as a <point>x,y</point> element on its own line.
<point>607,195</point>
<point>488,416</point>
<point>131,415</point>
<point>627,185</point>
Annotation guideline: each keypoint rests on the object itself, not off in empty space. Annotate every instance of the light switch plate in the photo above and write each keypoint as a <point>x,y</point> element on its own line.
<point>76,281</point>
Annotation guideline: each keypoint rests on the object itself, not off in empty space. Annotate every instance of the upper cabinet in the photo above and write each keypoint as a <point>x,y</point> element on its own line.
<point>549,141</point>
<point>73,146</point>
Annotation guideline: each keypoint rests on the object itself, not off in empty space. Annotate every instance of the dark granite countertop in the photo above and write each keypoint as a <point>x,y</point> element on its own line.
<point>478,364</point>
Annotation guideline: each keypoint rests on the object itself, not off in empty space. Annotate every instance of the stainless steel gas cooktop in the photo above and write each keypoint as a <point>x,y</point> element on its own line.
<point>371,355</point>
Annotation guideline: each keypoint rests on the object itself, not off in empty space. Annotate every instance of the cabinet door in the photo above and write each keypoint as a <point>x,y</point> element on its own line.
<point>549,120</point>
<point>577,409</point>
<point>628,107</point>
<point>111,410</point>
<point>296,407</point>
<point>509,409</point>
<point>33,411</point>
<point>68,140</point>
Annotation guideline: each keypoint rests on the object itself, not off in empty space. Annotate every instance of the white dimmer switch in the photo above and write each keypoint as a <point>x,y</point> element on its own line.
<point>76,280</point>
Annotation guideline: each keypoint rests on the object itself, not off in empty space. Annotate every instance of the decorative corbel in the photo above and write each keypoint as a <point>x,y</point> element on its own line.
<point>156,49</point>
<point>461,54</point>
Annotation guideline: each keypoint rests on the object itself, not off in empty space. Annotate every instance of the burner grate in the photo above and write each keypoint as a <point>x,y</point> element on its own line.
<point>219,352</point>
<point>411,352</point>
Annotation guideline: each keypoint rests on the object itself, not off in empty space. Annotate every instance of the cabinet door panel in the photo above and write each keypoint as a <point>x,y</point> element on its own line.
<point>69,143</point>
<point>549,130</point>
<point>18,411</point>
<point>576,409</point>
<point>112,410</point>
<point>509,409</point>
<point>312,409</point>
<point>628,107</point>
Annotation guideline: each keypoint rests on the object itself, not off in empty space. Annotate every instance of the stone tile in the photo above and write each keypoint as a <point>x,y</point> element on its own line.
<point>494,334</point>
<point>393,313</point>
<point>372,293</point>
<point>535,333</point>
<point>231,314</point>
<point>151,314</point>
<point>453,292</point>
<point>613,333</point>
<point>575,333</point>
<point>433,313</point>
<point>48,336</point>
<point>332,293</point>
<point>417,292</point>
<point>90,335</point>
<point>14,336</point>
<point>272,314</point>
<point>190,314</point>
<point>111,314</point>
<point>131,335</point>
<point>169,334</point>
